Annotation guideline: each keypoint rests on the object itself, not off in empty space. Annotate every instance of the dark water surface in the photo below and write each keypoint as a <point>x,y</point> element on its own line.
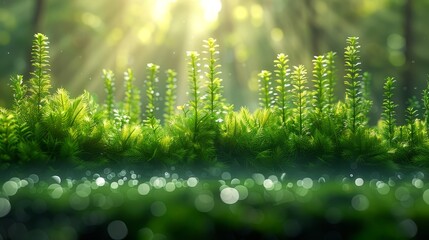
<point>213,204</point>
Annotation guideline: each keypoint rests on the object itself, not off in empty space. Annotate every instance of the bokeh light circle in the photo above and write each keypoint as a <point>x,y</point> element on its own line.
<point>409,228</point>
<point>100,181</point>
<point>4,207</point>
<point>359,182</point>
<point>360,202</point>
<point>229,195</point>
<point>143,189</point>
<point>158,209</point>
<point>192,182</point>
<point>204,203</point>
<point>426,196</point>
<point>307,183</point>
<point>117,230</point>
<point>383,188</point>
<point>10,188</point>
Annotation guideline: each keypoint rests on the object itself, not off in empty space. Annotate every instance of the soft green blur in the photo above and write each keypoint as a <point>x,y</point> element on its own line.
<point>128,205</point>
<point>87,36</point>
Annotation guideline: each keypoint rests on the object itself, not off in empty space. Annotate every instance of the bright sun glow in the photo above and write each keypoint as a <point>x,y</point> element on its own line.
<point>211,9</point>
<point>161,8</point>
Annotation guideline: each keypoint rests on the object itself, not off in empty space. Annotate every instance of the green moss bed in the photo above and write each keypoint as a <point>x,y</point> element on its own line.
<point>304,164</point>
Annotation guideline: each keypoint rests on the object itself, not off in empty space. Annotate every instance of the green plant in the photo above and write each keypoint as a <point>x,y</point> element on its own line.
<point>170,95</point>
<point>265,90</point>
<point>293,126</point>
<point>19,89</point>
<point>29,102</point>
<point>40,83</point>
<point>366,96</point>
<point>330,76</point>
<point>426,106</point>
<point>215,100</point>
<point>132,97</point>
<point>9,137</point>
<point>21,105</point>
<point>283,85</point>
<point>411,116</point>
<point>194,132</point>
<point>195,104</point>
<point>321,87</point>
<point>151,95</point>
<point>109,86</point>
<point>73,127</point>
<point>388,114</point>
<point>253,139</point>
<point>300,101</point>
<point>353,83</point>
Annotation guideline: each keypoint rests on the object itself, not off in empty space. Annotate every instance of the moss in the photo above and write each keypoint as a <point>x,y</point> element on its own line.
<point>294,126</point>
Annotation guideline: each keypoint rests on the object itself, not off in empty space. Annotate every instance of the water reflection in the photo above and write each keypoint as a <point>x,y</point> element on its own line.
<point>117,230</point>
<point>192,182</point>
<point>4,207</point>
<point>96,198</point>
<point>10,188</point>
<point>360,202</point>
<point>158,209</point>
<point>229,195</point>
<point>204,202</point>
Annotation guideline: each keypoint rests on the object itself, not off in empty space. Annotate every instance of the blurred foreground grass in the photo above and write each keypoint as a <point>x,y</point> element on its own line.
<point>130,205</point>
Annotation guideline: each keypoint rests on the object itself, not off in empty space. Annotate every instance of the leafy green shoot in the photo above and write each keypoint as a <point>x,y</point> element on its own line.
<point>40,81</point>
<point>265,90</point>
<point>366,96</point>
<point>389,115</point>
<point>411,116</point>
<point>321,87</point>
<point>195,104</point>
<point>109,87</point>
<point>282,73</point>
<point>426,105</point>
<point>353,82</point>
<point>300,100</point>
<point>151,95</point>
<point>170,95</point>
<point>19,89</point>
<point>214,98</point>
<point>331,80</point>
<point>131,103</point>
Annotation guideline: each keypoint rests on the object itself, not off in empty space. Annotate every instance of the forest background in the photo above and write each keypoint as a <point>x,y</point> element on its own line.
<point>88,36</point>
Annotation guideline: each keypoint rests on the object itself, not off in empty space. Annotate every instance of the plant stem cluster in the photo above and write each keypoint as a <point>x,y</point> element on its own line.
<point>296,124</point>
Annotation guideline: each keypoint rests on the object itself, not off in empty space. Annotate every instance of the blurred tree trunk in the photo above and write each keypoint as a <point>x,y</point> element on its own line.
<point>38,14</point>
<point>407,73</point>
<point>314,31</point>
<point>226,19</point>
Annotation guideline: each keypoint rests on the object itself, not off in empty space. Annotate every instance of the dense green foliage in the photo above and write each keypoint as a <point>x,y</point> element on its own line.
<point>297,124</point>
